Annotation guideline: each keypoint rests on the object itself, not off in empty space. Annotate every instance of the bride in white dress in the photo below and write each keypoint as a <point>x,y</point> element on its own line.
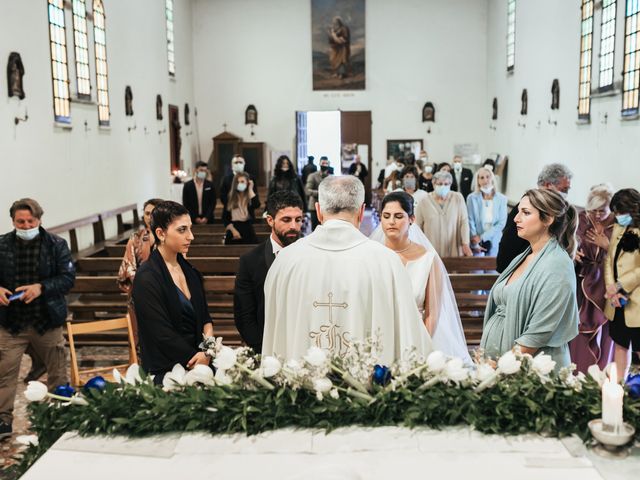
<point>429,279</point>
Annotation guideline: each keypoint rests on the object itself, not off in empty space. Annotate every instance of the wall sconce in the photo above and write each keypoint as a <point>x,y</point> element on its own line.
<point>17,120</point>
<point>129,129</point>
<point>86,126</point>
<point>493,127</point>
<point>164,130</point>
<point>522,124</point>
<point>605,118</point>
<point>552,122</point>
<point>188,134</point>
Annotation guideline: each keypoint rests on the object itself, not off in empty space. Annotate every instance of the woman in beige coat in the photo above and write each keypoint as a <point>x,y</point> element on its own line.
<point>622,278</point>
<point>442,216</point>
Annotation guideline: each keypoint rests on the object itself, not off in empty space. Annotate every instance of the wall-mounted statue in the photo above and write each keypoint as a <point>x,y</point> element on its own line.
<point>555,94</point>
<point>428,112</point>
<point>251,115</point>
<point>15,72</point>
<point>525,102</point>
<point>186,114</point>
<point>128,101</point>
<point>158,107</point>
<point>494,107</point>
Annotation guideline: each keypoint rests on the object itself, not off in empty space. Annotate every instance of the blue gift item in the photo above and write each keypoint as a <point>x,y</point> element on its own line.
<point>97,383</point>
<point>633,385</point>
<point>381,375</point>
<point>65,390</point>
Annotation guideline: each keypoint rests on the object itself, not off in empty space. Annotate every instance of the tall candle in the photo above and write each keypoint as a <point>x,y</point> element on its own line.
<point>612,394</point>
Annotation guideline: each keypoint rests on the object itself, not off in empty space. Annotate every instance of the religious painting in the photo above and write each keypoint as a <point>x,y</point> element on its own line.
<point>525,102</point>
<point>555,94</point>
<point>15,72</point>
<point>338,44</point>
<point>428,112</point>
<point>128,101</point>
<point>399,149</point>
<point>251,115</point>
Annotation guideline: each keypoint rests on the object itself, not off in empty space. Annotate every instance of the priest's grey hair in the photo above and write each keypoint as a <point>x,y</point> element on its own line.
<point>553,174</point>
<point>340,194</point>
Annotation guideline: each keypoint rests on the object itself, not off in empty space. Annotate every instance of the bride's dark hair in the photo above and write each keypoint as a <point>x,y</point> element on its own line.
<point>403,198</point>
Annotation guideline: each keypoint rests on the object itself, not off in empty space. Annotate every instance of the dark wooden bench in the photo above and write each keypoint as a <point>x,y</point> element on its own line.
<point>72,228</point>
<point>114,250</point>
<point>118,212</point>
<point>205,265</point>
<point>469,264</point>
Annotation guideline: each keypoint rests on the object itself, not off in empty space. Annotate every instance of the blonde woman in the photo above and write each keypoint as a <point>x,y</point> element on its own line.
<point>487,214</point>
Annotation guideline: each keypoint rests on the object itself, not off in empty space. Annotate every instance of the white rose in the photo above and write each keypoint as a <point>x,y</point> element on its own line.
<point>117,376</point>
<point>436,361</point>
<point>543,364</point>
<point>508,363</point>
<point>455,370</point>
<point>36,391</point>
<point>175,378</point>
<point>322,385</point>
<point>316,356</point>
<point>200,374</point>
<point>222,378</point>
<point>225,359</point>
<point>270,366</point>
<point>597,374</point>
<point>133,374</point>
<point>484,371</point>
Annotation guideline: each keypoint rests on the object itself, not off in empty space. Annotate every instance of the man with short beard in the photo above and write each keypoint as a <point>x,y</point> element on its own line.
<point>284,216</point>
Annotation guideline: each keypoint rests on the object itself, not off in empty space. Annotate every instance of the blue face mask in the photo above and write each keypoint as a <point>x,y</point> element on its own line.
<point>624,220</point>
<point>442,190</point>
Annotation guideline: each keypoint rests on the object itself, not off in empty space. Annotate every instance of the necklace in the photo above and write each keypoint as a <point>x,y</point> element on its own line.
<point>405,249</point>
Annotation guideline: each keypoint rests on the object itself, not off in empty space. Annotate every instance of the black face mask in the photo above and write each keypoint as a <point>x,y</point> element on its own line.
<point>324,168</point>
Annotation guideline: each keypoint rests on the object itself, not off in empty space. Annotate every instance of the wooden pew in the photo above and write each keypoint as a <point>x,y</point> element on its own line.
<point>94,220</point>
<point>469,264</point>
<point>469,289</point>
<point>205,265</point>
<point>259,227</point>
<point>117,212</point>
<point>217,238</point>
<point>195,250</point>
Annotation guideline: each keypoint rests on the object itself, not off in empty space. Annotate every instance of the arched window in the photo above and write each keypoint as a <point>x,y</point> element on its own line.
<point>102,76</point>
<point>511,35</point>
<point>171,54</point>
<point>586,50</point>
<point>631,70</point>
<point>59,67</point>
<point>607,44</point>
<point>81,44</point>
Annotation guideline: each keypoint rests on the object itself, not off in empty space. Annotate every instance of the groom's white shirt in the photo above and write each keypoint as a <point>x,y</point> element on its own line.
<point>364,282</point>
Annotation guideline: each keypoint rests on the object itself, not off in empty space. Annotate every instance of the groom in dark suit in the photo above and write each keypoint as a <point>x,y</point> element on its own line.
<point>284,216</point>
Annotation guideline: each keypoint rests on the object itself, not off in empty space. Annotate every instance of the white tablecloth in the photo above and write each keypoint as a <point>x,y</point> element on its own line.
<point>351,453</point>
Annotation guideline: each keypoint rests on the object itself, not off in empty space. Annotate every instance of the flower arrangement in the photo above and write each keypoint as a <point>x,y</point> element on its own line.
<point>517,394</point>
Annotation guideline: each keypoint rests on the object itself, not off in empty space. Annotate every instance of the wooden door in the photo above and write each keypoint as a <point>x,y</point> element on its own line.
<point>355,127</point>
<point>175,142</point>
<point>253,154</point>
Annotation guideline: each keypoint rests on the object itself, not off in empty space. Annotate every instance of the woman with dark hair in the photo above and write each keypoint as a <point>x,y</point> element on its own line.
<point>285,178</point>
<point>239,213</point>
<point>425,180</point>
<point>409,177</point>
<point>169,298</point>
<point>622,278</point>
<point>136,253</point>
<point>533,302</point>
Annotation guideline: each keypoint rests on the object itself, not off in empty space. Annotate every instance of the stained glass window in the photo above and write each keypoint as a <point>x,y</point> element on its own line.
<point>59,68</point>
<point>631,70</point>
<point>607,44</point>
<point>81,43</point>
<point>171,53</point>
<point>102,77</point>
<point>586,49</point>
<point>511,34</point>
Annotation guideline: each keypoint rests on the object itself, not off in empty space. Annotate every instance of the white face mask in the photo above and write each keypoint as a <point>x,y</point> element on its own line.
<point>428,169</point>
<point>29,234</point>
<point>237,167</point>
<point>201,175</point>
<point>457,166</point>
<point>241,187</point>
<point>488,189</point>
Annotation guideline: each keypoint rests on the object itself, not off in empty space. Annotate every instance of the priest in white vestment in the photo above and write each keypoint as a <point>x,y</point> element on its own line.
<point>336,287</point>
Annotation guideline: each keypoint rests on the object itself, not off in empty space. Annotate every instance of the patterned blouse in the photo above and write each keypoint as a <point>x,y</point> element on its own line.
<point>136,253</point>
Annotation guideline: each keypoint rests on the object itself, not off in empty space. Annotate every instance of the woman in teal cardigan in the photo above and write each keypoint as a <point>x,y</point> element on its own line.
<point>487,214</point>
<point>533,302</point>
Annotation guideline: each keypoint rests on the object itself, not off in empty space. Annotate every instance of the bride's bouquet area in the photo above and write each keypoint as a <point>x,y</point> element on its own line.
<point>517,394</point>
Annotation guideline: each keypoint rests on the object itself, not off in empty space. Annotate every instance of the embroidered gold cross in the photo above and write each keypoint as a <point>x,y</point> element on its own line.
<point>331,306</point>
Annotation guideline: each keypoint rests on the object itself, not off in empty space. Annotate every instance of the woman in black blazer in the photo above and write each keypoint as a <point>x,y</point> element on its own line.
<point>169,298</point>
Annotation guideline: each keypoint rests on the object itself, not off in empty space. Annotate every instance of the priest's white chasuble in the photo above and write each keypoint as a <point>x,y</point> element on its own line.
<point>336,287</point>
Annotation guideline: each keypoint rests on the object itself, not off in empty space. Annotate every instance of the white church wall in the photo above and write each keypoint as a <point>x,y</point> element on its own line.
<point>548,47</point>
<point>77,172</point>
<point>257,52</point>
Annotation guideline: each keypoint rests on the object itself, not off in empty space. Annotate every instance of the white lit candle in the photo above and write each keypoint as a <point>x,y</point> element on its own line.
<point>612,394</point>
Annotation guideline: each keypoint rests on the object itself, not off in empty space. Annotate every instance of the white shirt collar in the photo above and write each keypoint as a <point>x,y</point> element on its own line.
<point>275,245</point>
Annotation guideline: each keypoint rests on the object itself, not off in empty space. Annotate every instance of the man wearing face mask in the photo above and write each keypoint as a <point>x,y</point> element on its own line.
<point>36,272</point>
<point>358,169</point>
<point>425,180</point>
<point>199,196</point>
<point>554,176</point>
<point>284,216</point>
<point>237,165</point>
<point>462,178</point>
<point>311,189</point>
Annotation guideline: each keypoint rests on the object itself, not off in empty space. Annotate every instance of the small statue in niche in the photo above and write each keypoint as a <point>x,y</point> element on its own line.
<point>555,94</point>
<point>494,114</point>
<point>128,101</point>
<point>15,72</point>
<point>158,107</point>
<point>525,102</point>
<point>251,115</point>
<point>428,112</point>
<point>186,114</point>
<point>175,122</point>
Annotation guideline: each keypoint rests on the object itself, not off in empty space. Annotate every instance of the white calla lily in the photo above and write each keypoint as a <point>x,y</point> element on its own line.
<point>200,374</point>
